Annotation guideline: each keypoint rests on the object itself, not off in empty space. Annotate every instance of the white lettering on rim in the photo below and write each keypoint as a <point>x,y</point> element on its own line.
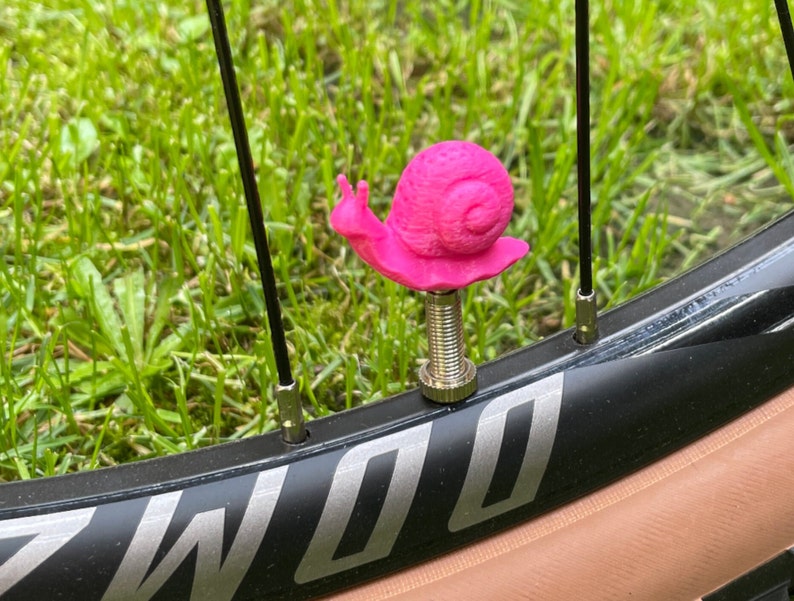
<point>411,446</point>
<point>213,580</point>
<point>547,398</point>
<point>50,533</point>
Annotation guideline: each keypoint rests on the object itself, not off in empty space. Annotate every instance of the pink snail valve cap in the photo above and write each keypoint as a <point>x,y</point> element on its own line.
<point>444,232</point>
<point>452,204</point>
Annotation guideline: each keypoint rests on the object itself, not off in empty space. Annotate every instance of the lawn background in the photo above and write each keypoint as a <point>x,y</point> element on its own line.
<point>130,312</point>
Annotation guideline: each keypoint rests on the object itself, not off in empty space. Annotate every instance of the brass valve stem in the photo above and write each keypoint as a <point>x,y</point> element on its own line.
<point>448,375</point>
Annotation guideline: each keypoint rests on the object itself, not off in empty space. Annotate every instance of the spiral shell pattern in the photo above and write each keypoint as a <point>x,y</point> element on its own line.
<point>453,198</point>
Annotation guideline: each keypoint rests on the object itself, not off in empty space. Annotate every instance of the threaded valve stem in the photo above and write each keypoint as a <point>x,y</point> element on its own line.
<point>448,375</point>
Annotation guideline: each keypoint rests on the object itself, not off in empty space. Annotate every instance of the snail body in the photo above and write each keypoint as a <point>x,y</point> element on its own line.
<point>452,203</point>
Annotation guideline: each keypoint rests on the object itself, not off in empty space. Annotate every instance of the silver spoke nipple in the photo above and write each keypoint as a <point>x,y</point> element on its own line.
<point>293,430</point>
<point>586,318</point>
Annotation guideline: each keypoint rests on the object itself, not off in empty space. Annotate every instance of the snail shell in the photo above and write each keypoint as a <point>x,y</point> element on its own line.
<point>453,198</point>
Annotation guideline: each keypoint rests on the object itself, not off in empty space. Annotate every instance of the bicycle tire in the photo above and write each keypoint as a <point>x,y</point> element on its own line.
<point>388,485</point>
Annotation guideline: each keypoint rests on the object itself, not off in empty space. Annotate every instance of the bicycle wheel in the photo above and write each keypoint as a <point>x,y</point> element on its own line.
<point>387,485</point>
<point>399,481</point>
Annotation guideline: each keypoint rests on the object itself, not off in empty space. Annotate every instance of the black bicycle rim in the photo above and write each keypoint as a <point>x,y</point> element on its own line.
<point>390,484</point>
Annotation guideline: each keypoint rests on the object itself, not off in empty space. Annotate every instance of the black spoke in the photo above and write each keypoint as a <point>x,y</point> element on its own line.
<point>784,16</point>
<point>586,317</point>
<point>583,145</point>
<point>224,52</point>
<point>290,411</point>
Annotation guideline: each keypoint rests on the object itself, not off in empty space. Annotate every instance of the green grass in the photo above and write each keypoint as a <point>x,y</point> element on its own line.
<point>130,312</point>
